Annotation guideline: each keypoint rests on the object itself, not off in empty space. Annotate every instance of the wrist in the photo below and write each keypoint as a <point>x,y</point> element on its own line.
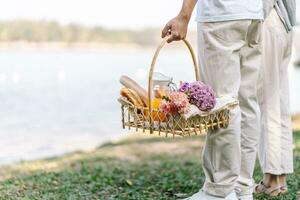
<point>184,16</point>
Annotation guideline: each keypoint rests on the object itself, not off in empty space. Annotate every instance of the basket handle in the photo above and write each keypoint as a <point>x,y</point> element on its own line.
<point>150,81</point>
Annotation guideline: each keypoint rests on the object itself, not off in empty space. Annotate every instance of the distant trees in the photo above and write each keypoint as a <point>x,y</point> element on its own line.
<point>47,31</point>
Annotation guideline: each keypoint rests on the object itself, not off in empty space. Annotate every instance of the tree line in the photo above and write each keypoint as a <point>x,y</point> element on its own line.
<point>50,31</point>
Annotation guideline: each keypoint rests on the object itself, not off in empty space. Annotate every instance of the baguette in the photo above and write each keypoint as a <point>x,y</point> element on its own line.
<point>131,84</point>
<point>132,97</point>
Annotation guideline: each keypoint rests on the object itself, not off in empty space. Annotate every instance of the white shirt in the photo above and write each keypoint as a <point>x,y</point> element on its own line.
<point>226,10</point>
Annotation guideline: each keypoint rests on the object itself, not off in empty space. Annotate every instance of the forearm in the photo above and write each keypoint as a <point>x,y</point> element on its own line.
<point>187,9</point>
<point>177,27</point>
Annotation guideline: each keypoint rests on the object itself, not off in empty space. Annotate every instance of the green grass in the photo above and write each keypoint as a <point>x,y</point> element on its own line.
<point>135,168</point>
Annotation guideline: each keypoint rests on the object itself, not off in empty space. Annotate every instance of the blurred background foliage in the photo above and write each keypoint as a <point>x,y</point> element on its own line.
<point>50,31</point>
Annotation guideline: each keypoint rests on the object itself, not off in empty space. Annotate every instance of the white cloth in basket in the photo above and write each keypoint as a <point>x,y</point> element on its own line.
<point>222,102</point>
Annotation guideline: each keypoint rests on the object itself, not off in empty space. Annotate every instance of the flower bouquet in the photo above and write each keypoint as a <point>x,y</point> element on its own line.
<point>197,93</point>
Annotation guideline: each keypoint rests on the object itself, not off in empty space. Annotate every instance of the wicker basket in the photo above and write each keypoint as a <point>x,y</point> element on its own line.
<point>153,120</point>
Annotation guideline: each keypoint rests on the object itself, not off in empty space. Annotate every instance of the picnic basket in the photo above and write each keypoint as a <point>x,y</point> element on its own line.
<point>153,120</point>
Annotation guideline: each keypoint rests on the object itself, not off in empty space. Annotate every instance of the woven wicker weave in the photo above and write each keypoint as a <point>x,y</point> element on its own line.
<point>152,120</point>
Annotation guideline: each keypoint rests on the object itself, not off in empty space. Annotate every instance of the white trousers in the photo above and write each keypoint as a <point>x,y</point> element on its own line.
<point>275,146</point>
<point>229,60</point>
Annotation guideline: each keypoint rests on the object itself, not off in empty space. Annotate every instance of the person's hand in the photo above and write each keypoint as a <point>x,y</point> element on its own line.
<point>176,29</point>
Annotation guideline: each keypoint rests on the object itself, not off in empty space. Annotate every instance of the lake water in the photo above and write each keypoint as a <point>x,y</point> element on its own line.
<point>60,100</point>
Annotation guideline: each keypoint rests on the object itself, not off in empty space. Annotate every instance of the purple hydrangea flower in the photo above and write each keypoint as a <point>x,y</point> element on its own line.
<point>184,87</point>
<point>202,96</point>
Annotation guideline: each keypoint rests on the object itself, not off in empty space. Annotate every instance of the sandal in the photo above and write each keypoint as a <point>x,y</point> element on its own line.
<point>271,191</point>
<point>284,189</point>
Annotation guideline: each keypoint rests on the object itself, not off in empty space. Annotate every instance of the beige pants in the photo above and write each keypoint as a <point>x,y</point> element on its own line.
<point>275,146</point>
<point>230,59</point>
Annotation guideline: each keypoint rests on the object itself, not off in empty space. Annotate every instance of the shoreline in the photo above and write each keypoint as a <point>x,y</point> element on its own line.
<point>66,45</point>
<point>54,145</point>
<point>86,45</point>
<point>296,121</point>
<point>25,45</point>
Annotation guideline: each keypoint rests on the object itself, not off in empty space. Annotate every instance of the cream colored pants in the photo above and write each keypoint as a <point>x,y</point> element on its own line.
<point>230,59</point>
<point>275,146</point>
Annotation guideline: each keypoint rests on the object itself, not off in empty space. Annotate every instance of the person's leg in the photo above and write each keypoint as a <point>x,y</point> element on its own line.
<point>269,94</point>
<point>286,125</point>
<point>275,146</point>
<point>250,66</point>
<point>219,59</point>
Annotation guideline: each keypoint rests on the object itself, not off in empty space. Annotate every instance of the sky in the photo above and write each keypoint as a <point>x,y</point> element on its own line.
<point>108,13</point>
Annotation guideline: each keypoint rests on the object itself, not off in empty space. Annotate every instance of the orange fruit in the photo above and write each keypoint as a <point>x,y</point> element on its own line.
<point>156,103</point>
<point>156,114</point>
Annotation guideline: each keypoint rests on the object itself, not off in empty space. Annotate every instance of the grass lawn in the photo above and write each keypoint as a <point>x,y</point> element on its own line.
<point>139,167</point>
